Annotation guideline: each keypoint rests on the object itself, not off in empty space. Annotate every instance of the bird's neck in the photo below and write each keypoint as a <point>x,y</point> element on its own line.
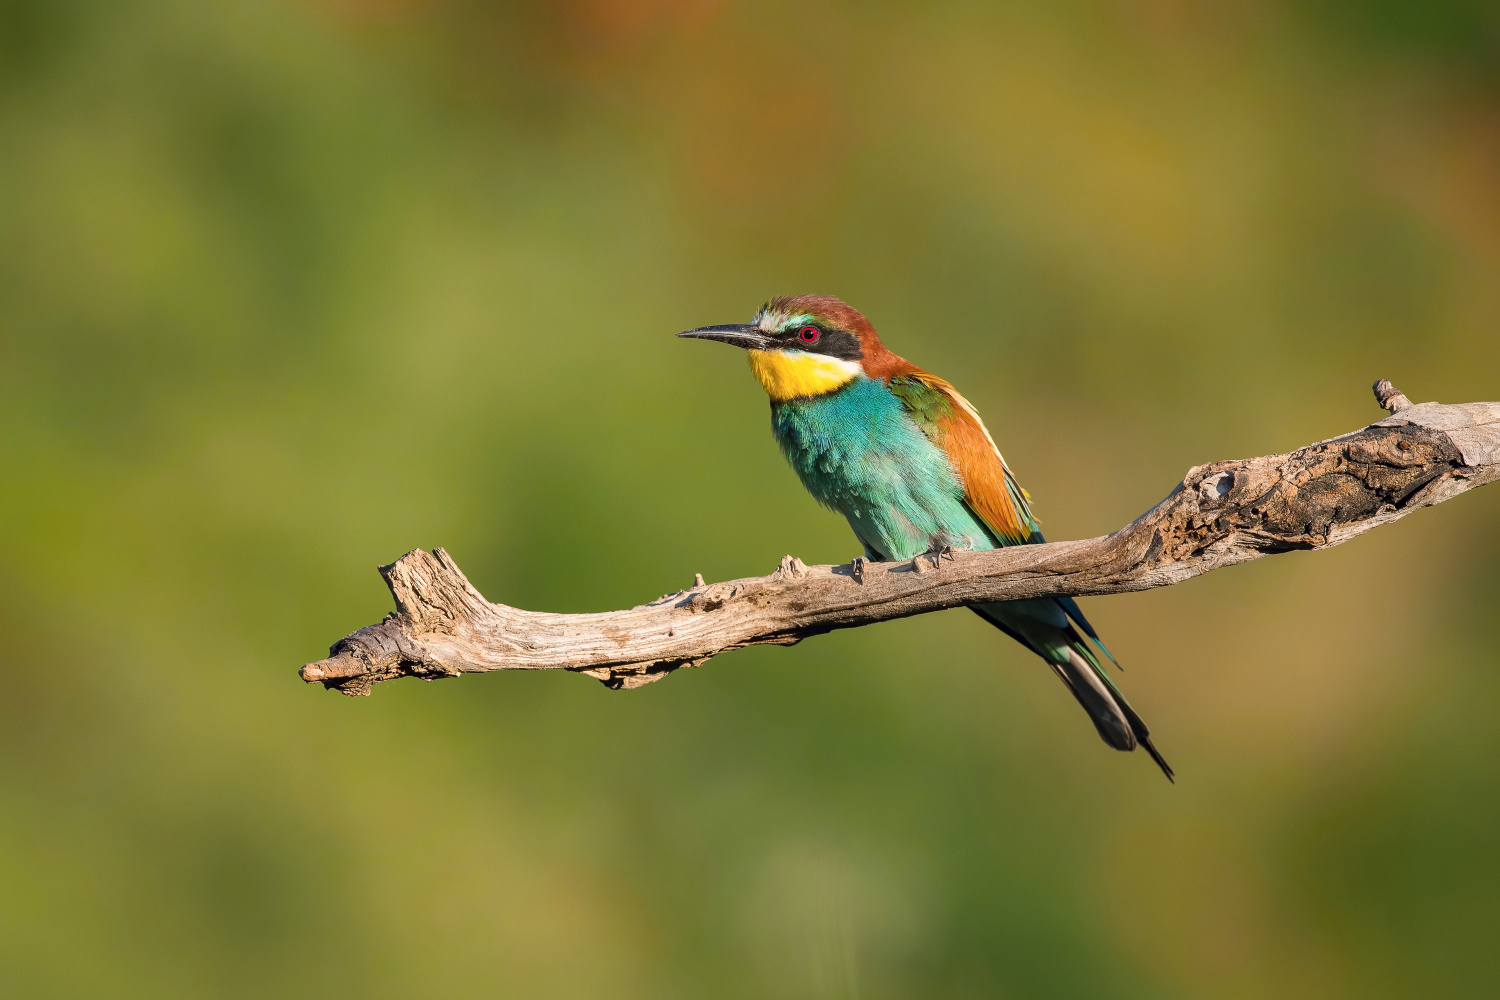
<point>788,375</point>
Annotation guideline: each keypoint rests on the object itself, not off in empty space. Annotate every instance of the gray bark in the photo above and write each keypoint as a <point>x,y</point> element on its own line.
<point>1219,515</point>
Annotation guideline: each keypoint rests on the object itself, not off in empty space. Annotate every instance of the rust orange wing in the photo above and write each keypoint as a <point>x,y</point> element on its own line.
<point>951,423</point>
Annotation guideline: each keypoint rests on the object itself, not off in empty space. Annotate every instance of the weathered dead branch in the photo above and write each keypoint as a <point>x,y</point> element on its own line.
<point>1219,515</point>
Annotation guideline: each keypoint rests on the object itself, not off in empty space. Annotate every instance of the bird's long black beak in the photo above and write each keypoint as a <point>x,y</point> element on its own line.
<point>738,334</point>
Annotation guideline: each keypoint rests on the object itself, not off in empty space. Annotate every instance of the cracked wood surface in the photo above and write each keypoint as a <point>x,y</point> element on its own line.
<point>1220,515</point>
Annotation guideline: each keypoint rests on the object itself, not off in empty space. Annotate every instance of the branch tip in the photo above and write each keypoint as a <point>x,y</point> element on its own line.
<point>1389,397</point>
<point>342,671</point>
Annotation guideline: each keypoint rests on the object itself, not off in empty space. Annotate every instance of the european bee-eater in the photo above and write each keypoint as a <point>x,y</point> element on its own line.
<point>907,460</point>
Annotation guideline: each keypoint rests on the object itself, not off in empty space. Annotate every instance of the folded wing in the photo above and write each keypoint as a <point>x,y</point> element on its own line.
<point>951,423</point>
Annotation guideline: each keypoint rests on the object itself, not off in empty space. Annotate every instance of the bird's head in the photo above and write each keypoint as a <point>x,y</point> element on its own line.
<point>803,345</point>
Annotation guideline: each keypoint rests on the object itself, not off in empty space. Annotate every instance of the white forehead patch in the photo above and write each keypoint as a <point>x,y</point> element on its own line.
<point>774,320</point>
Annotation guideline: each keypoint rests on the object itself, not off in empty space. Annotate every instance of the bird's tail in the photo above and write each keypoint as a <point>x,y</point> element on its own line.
<point>1043,626</point>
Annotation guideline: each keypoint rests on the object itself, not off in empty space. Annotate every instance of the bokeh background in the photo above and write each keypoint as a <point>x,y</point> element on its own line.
<point>289,288</point>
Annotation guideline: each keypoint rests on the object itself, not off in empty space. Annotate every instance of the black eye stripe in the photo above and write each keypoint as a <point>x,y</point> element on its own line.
<point>833,343</point>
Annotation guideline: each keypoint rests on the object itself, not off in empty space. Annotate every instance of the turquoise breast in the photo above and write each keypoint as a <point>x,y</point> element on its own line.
<point>858,452</point>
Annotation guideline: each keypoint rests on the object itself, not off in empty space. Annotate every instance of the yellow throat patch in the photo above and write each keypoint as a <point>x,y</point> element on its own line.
<point>791,374</point>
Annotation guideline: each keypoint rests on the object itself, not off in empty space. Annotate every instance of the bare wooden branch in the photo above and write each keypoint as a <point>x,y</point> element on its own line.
<point>1219,515</point>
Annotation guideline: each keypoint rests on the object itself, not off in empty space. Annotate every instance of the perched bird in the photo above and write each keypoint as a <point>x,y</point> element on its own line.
<point>907,460</point>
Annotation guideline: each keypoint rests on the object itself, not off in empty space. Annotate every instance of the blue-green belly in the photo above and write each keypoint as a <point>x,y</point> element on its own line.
<point>859,453</point>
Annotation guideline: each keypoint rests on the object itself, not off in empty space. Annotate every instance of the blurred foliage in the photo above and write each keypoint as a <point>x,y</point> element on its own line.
<point>289,288</point>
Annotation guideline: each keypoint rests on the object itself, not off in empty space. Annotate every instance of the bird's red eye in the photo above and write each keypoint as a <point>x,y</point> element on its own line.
<point>808,334</point>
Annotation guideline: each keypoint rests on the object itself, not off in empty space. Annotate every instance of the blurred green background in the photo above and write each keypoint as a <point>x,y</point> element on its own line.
<point>290,288</point>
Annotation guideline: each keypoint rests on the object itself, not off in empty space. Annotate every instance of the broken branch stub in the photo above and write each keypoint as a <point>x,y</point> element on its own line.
<point>1220,515</point>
